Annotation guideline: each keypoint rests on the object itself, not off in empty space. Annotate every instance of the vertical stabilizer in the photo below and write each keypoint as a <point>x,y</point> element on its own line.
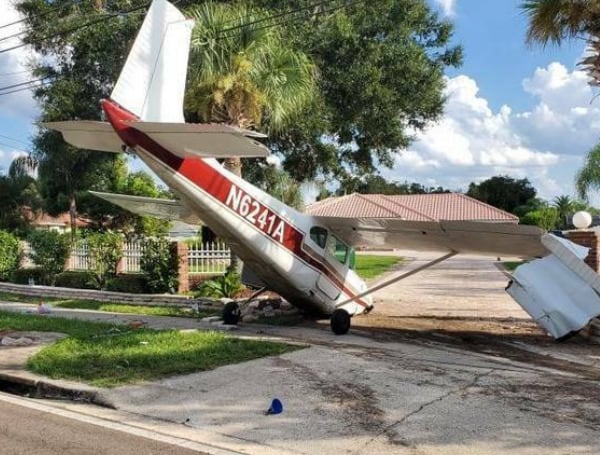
<point>152,82</point>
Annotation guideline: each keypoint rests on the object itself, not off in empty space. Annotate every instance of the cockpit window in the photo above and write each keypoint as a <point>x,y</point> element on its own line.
<point>319,236</point>
<point>338,249</point>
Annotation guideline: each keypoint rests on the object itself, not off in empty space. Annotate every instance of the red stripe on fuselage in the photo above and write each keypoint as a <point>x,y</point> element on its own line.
<point>216,184</point>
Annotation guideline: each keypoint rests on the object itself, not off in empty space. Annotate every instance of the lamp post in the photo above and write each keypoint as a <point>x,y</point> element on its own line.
<point>582,220</point>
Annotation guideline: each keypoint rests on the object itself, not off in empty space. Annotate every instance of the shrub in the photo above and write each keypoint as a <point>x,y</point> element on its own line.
<point>160,265</point>
<point>227,285</point>
<point>22,276</point>
<point>131,283</point>
<point>77,280</point>
<point>10,255</point>
<point>106,250</point>
<point>49,251</point>
<point>545,218</point>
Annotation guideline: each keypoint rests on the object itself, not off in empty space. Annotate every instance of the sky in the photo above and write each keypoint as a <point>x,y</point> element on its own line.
<point>512,109</point>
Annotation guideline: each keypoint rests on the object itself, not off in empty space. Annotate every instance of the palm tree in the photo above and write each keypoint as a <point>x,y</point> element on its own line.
<point>588,177</point>
<point>552,21</point>
<point>18,191</point>
<point>243,73</point>
<point>564,206</point>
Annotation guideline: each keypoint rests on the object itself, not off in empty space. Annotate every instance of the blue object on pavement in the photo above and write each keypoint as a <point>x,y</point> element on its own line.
<point>276,407</point>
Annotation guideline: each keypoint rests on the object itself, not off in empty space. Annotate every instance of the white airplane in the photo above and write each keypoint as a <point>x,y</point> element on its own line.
<point>306,259</point>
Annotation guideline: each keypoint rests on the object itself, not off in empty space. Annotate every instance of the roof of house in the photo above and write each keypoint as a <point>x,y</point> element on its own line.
<point>39,218</point>
<point>412,207</point>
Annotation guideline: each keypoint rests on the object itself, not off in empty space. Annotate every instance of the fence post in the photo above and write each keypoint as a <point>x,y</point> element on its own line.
<point>184,281</point>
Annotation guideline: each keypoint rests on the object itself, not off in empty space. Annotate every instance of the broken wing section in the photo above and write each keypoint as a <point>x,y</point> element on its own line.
<point>86,134</point>
<point>560,292</point>
<point>494,239</point>
<point>147,206</point>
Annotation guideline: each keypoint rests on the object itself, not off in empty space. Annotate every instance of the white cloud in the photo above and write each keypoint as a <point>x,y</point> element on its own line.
<point>448,7</point>
<point>472,142</point>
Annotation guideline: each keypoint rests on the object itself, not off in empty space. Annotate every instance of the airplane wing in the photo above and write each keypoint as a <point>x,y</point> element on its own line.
<point>495,239</point>
<point>160,208</point>
<point>210,140</point>
<point>88,134</point>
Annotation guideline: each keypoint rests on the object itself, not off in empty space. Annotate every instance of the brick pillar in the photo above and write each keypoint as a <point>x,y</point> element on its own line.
<point>184,281</point>
<point>591,240</point>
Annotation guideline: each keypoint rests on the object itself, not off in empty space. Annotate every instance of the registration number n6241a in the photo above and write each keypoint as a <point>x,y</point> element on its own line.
<point>256,213</point>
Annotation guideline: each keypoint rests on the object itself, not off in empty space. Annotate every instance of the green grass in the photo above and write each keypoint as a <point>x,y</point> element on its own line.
<point>107,355</point>
<point>370,266</point>
<point>147,310</point>
<point>512,265</point>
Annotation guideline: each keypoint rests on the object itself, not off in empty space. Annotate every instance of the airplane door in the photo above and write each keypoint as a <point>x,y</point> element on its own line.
<point>334,254</point>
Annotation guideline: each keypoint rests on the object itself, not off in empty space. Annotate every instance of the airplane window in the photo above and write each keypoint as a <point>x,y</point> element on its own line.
<point>319,236</point>
<point>338,249</point>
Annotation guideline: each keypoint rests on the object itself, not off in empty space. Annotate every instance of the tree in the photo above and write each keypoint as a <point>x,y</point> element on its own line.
<point>381,77</point>
<point>503,192</point>
<point>78,69</point>
<point>553,21</point>
<point>19,195</point>
<point>376,184</point>
<point>564,206</point>
<point>588,177</point>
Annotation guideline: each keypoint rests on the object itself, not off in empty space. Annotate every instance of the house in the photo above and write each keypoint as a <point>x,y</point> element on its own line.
<point>411,207</point>
<point>43,222</point>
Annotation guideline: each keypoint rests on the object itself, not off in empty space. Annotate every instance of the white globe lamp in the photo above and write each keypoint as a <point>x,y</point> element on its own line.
<point>582,219</point>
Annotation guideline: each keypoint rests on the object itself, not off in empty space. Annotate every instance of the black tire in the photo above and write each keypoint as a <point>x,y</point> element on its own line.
<point>231,313</point>
<point>340,322</point>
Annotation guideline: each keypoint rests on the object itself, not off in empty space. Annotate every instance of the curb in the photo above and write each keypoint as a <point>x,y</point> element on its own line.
<point>42,388</point>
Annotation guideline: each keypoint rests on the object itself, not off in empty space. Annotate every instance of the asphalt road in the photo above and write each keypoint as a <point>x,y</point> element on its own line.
<point>24,430</point>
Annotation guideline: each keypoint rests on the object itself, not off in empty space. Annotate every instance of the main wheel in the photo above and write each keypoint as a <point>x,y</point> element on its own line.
<point>340,322</point>
<point>231,313</point>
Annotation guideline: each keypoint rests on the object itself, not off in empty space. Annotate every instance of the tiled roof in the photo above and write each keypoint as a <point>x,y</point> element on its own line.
<point>412,207</point>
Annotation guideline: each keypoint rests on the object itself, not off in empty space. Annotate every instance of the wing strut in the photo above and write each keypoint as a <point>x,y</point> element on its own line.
<point>398,278</point>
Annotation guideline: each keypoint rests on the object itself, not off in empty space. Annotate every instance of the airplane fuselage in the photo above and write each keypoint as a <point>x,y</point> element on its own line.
<point>284,248</point>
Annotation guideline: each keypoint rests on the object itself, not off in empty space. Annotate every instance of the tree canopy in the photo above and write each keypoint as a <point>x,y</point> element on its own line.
<point>503,192</point>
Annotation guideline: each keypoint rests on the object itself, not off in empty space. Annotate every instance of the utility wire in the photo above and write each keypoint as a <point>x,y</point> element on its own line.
<point>42,14</point>
<point>13,139</point>
<point>79,27</point>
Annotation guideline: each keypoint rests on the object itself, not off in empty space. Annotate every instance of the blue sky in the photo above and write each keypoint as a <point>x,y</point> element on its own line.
<point>512,109</point>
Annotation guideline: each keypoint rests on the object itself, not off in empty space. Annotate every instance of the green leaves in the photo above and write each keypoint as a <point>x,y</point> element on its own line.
<point>160,264</point>
<point>9,255</point>
<point>50,251</point>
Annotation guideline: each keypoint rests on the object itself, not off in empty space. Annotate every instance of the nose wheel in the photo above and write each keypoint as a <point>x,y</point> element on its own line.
<point>340,322</point>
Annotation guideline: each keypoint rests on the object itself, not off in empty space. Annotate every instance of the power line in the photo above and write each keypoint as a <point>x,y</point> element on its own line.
<point>41,15</point>
<point>79,27</point>
<point>29,87</point>
<point>14,139</point>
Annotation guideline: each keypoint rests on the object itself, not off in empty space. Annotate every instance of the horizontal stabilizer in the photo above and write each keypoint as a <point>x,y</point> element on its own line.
<point>87,134</point>
<point>204,140</point>
<point>147,206</point>
<point>560,292</point>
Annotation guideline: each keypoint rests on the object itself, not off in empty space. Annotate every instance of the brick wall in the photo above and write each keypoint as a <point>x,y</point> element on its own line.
<point>589,239</point>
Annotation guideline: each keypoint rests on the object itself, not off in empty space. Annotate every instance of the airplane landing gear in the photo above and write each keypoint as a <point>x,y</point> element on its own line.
<point>340,322</point>
<point>231,313</point>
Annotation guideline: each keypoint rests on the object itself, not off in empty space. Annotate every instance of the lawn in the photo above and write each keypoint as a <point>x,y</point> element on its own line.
<point>512,265</point>
<point>370,266</point>
<point>108,355</point>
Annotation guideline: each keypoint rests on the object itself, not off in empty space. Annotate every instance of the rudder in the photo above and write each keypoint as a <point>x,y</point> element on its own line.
<point>152,82</point>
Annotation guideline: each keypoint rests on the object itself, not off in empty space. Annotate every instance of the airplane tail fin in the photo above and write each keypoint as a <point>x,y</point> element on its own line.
<point>152,82</point>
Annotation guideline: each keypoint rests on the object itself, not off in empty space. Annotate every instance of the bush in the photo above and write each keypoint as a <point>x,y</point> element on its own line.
<point>22,276</point>
<point>10,255</point>
<point>227,285</point>
<point>77,280</point>
<point>545,218</point>
<point>131,283</point>
<point>49,251</point>
<point>106,250</point>
<point>160,264</point>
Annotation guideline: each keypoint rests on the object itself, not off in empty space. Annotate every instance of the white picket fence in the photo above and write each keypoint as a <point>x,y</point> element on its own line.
<point>208,258</point>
